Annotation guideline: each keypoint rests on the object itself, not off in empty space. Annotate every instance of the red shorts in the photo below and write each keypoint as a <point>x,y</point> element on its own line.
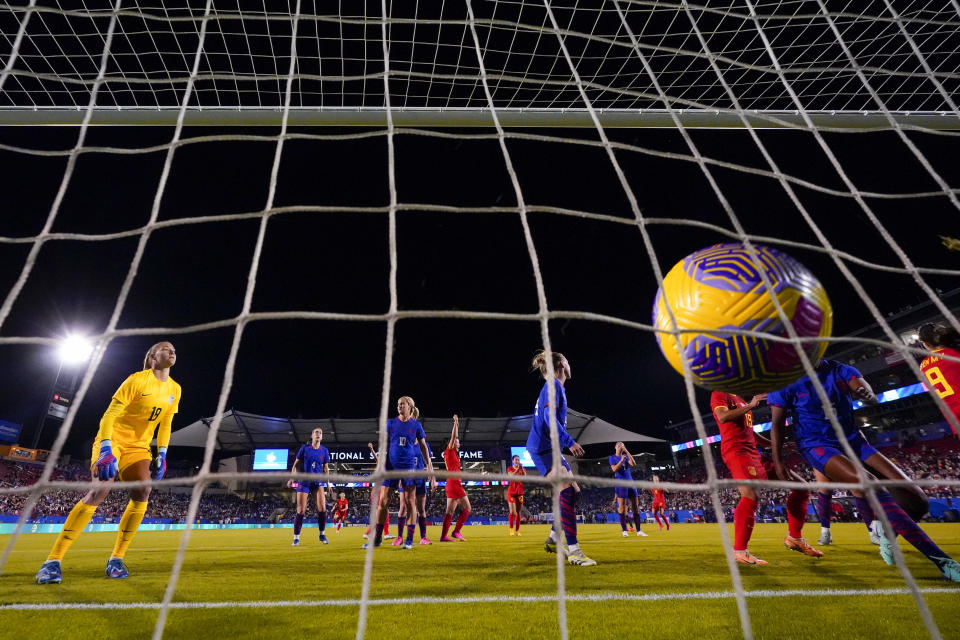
<point>745,465</point>
<point>339,515</point>
<point>518,498</point>
<point>455,488</point>
<point>660,504</point>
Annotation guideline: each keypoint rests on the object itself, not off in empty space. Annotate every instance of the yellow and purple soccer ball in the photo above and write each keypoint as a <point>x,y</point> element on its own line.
<point>720,288</point>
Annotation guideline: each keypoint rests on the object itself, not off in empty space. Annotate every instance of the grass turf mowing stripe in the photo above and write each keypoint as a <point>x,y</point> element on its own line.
<point>599,597</point>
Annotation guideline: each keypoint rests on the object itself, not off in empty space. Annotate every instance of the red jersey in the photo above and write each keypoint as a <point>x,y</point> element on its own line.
<point>452,459</point>
<point>658,496</point>
<point>341,504</point>
<point>943,376</point>
<point>515,488</point>
<point>738,434</point>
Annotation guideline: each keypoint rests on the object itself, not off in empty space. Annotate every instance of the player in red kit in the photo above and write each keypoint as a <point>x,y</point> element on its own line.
<point>340,511</point>
<point>738,448</point>
<point>515,496</point>
<point>455,492</point>
<point>942,375</point>
<point>659,506</point>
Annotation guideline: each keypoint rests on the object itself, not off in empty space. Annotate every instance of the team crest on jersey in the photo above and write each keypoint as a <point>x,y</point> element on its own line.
<point>170,401</point>
<point>752,471</point>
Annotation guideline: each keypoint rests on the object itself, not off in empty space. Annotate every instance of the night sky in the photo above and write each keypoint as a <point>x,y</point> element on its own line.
<point>338,262</point>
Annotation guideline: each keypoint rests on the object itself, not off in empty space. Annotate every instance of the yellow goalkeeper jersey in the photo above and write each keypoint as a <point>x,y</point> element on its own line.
<point>140,405</point>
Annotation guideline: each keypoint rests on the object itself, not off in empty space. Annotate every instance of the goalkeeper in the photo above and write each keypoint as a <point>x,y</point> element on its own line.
<point>145,401</point>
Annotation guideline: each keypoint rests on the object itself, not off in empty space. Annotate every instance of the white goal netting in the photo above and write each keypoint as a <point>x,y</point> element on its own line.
<point>844,113</point>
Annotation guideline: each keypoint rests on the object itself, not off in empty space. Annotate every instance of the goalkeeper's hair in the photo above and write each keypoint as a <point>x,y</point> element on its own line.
<point>148,358</point>
<point>937,335</point>
<point>540,361</point>
<point>413,407</point>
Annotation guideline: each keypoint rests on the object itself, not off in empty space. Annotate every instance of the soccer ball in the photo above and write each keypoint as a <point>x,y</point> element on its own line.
<point>720,288</point>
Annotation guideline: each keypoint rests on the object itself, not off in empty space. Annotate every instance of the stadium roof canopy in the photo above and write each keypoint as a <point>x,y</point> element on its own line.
<point>241,431</point>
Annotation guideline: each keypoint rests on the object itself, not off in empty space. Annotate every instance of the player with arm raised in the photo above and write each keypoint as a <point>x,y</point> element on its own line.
<point>540,448</point>
<point>620,462</point>
<point>660,506</point>
<point>943,376</point>
<point>404,434</point>
<point>738,448</point>
<point>456,495</point>
<point>144,403</point>
<point>515,496</point>
<point>818,444</point>
<point>311,458</point>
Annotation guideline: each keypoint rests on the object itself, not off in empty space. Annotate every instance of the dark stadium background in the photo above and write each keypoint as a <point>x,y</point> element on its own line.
<point>468,261</point>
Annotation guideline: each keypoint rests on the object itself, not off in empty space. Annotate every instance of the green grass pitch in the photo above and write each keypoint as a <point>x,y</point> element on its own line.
<point>238,567</point>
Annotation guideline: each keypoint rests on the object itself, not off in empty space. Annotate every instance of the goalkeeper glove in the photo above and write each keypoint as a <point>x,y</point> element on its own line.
<point>159,465</point>
<point>106,464</point>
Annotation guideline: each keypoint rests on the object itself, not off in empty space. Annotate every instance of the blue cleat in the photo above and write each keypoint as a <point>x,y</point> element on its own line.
<point>116,569</point>
<point>295,543</point>
<point>886,547</point>
<point>408,544</point>
<point>323,539</point>
<point>49,573</point>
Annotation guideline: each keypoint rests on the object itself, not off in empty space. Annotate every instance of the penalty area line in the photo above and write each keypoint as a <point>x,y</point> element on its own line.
<point>598,597</point>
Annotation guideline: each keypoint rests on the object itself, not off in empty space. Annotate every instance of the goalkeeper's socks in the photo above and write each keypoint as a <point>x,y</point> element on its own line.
<point>78,519</point>
<point>129,523</point>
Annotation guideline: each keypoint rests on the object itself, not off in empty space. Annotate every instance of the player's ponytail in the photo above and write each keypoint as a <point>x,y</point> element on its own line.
<point>414,412</point>
<point>148,358</point>
<point>540,362</point>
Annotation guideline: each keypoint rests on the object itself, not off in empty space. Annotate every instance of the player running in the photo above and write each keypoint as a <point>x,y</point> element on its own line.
<point>738,448</point>
<point>515,497</point>
<point>541,451</point>
<point>456,495</point>
<point>660,506</point>
<point>340,513</point>
<point>820,447</point>
<point>942,374</point>
<point>404,434</point>
<point>620,462</point>
<point>146,401</point>
<point>312,458</point>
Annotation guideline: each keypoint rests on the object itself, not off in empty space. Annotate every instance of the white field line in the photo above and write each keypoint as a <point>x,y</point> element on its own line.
<point>597,597</point>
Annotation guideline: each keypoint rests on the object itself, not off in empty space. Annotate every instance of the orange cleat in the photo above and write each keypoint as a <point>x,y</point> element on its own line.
<point>745,557</point>
<point>799,544</point>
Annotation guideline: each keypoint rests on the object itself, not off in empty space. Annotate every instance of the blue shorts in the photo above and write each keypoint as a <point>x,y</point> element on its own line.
<point>544,461</point>
<point>307,487</point>
<point>421,485</point>
<point>625,492</point>
<point>399,483</point>
<point>818,454</point>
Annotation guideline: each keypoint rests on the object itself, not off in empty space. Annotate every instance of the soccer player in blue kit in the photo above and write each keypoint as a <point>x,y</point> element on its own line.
<point>541,452</point>
<point>620,462</point>
<point>404,435</point>
<point>818,444</point>
<point>312,458</point>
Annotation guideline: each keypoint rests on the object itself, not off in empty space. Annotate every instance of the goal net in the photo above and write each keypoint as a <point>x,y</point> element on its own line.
<point>570,145</point>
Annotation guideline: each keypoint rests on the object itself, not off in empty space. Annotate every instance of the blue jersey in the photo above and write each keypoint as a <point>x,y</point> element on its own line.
<point>539,439</point>
<point>312,460</point>
<point>623,473</point>
<point>811,424</point>
<point>403,436</point>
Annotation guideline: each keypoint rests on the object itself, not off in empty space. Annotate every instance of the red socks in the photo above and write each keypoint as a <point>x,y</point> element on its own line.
<point>743,520</point>
<point>446,524</point>
<point>510,521</point>
<point>464,514</point>
<point>797,512</point>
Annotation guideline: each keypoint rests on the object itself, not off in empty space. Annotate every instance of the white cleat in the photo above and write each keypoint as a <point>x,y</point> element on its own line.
<point>626,535</point>
<point>641,533</point>
<point>825,537</point>
<point>579,559</point>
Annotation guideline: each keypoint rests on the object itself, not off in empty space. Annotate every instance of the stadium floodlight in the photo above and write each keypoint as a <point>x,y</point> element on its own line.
<point>74,349</point>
